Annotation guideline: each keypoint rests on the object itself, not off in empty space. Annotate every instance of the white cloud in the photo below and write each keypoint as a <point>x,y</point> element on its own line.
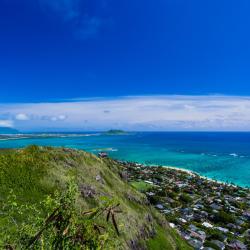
<point>62,117</point>
<point>58,118</point>
<point>22,117</point>
<point>53,119</point>
<point>171,112</point>
<point>6,123</point>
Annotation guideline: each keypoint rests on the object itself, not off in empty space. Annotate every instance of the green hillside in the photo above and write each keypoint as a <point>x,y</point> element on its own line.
<point>55,198</point>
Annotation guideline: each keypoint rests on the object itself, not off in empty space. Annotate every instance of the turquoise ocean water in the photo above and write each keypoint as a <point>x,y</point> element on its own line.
<point>221,156</point>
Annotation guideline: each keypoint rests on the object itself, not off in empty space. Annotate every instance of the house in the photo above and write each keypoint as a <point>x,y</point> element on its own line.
<point>222,229</point>
<point>150,193</point>
<point>215,206</point>
<point>232,226</point>
<point>149,182</point>
<point>239,222</point>
<point>186,211</point>
<point>170,200</point>
<point>196,244</point>
<point>200,235</point>
<point>199,206</point>
<point>237,245</point>
<point>219,244</point>
<point>172,225</point>
<point>193,227</point>
<point>182,220</point>
<point>166,211</point>
<point>207,225</point>
<point>188,217</point>
<point>103,154</point>
<point>204,213</point>
<point>247,233</point>
<point>181,185</point>
<point>185,235</point>
<point>246,214</point>
<point>159,206</point>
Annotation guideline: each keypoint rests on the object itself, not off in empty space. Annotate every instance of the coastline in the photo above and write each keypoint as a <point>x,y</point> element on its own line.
<point>7,137</point>
<point>199,208</point>
<point>156,149</point>
<point>191,173</point>
<point>222,180</point>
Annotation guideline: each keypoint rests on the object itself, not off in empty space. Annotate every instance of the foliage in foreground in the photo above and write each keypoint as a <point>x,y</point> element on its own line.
<point>64,228</point>
<point>39,211</point>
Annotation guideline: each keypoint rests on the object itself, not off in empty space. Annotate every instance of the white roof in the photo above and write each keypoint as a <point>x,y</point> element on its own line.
<point>206,224</point>
<point>172,225</point>
<point>149,182</point>
<point>183,220</point>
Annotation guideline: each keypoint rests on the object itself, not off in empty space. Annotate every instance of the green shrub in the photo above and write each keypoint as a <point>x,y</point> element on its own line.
<point>185,198</point>
<point>212,245</point>
<point>64,227</point>
<point>223,217</point>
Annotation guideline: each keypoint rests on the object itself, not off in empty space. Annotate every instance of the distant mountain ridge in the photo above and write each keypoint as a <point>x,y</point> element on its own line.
<point>7,130</point>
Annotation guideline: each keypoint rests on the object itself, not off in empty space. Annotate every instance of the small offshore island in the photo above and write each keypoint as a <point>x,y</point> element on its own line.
<point>206,213</point>
<point>115,132</point>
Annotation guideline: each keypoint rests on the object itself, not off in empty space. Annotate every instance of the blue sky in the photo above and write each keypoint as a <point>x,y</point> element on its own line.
<point>60,51</point>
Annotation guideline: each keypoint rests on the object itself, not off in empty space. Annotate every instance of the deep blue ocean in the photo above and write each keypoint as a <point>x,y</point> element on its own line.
<point>222,156</point>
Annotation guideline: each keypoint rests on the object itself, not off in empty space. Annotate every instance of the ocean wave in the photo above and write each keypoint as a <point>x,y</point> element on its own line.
<point>43,136</point>
<point>105,149</point>
<point>73,135</point>
<point>13,138</point>
<point>233,154</point>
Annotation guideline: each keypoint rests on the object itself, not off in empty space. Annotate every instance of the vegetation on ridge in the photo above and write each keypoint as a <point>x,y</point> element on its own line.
<point>55,198</point>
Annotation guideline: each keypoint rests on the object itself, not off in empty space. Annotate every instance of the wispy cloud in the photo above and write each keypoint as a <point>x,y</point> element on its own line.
<point>85,22</point>
<point>66,9</point>
<point>133,113</point>
<point>6,123</point>
<point>89,27</point>
<point>22,117</point>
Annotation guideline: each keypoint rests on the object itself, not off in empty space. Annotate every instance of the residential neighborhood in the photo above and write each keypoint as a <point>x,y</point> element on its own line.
<point>206,213</point>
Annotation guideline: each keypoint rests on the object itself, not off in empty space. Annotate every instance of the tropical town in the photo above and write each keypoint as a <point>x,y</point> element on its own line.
<point>206,213</point>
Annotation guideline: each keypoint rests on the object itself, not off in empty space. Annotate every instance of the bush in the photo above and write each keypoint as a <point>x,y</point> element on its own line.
<point>172,195</point>
<point>185,198</point>
<point>223,217</point>
<point>217,236</point>
<point>64,227</point>
<point>212,245</point>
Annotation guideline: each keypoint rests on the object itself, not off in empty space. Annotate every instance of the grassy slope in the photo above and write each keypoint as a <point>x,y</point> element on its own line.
<point>33,173</point>
<point>141,185</point>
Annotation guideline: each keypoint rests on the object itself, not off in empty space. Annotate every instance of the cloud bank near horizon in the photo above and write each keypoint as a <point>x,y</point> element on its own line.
<point>138,113</point>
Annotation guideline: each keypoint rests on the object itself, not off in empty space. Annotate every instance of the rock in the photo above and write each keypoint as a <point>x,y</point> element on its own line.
<point>87,191</point>
<point>124,175</point>
<point>98,178</point>
<point>149,218</point>
<point>135,244</point>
